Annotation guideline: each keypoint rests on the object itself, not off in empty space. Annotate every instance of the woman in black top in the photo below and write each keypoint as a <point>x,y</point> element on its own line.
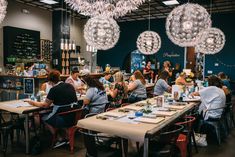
<point>61,95</point>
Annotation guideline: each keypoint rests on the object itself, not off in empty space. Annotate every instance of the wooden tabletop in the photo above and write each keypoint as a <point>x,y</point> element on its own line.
<point>130,129</point>
<point>18,106</point>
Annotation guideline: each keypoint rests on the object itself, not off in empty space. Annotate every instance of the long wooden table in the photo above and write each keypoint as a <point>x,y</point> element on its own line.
<point>23,108</point>
<point>141,132</point>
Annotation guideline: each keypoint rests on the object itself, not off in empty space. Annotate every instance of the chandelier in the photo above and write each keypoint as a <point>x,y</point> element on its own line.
<point>148,42</point>
<point>109,8</point>
<point>185,22</point>
<point>102,33</point>
<point>212,41</point>
<point>3,8</point>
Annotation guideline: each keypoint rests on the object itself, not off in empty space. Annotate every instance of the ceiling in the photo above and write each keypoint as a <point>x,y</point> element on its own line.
<point>158,9</point>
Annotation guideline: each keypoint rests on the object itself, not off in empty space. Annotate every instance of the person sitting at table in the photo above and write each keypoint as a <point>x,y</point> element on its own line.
<point>137,88</point>
<point>45,87</point>
<point>212,97</point>
<point>161,85</point>
<point>181,80</point>
<point>96,98</point>
<point>119,90</point>
<point>105,80</point>
<point>224,80</point>
<point>61,95</point>
<point>74,80</point>
<point>148,72</point>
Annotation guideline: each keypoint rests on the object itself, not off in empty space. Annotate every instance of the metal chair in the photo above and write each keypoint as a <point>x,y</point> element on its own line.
<point>165,143</point>
<point>216,123</point>
<point>70,130</point>
<point>184,140</point>
<point>93,142</point>
<point>6,129</point>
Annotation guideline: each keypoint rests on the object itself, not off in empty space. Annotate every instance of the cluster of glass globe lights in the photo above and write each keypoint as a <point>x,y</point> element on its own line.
<point>189,25</point>
<point>101,30</point>
<point>183,26</point>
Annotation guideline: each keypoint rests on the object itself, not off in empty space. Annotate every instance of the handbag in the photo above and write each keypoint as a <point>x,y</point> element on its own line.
<point>201,140</point>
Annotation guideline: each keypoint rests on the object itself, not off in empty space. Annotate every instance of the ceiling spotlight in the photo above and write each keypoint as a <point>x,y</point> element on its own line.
<point>49,2</point>
<point>170,2</point>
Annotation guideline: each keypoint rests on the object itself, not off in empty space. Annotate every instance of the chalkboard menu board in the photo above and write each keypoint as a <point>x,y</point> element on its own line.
<point>29,86</point>
<point>20,45</point>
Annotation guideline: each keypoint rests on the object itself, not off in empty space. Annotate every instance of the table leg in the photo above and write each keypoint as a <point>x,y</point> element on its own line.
<point>27,133</point>
<point>146,147</point>
<point>124,147</point>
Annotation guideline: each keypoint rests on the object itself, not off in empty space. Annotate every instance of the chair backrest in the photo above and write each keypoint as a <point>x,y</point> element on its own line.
<point>77,112</point>
<point>90,115</point>
<point>170,134</point>
<point>187,122</point>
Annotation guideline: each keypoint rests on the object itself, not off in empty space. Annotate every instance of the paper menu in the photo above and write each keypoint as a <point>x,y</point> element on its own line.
<point>149,120</point>
<point>18,104</point>
<point>175,107</point>
<point>164,113</point>
<point>133,107</point>
<point>114,114</point>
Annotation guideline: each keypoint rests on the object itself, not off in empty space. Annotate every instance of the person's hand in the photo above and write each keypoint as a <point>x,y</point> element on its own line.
<point>31,102</point>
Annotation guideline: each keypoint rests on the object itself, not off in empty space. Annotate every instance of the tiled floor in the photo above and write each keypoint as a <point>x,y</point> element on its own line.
<point>227,149</point>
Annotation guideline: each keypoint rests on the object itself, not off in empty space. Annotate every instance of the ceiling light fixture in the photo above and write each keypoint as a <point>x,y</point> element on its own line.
<point>49,2</point>
<point>148,42</point>
<point>102,33</point>
<point>185,22</point>
<point>212,41</point>
<point>171,2</point>
<point>109,8</point>
<point>3,9</point>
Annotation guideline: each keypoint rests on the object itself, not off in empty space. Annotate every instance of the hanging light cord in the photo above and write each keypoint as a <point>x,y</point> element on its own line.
<point>149,17</point>
<point>211,8</point>
<point>62,19</point>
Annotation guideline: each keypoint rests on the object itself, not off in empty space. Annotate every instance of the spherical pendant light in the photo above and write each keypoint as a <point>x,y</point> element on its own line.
<point>148,42</point>
<point>101,33</point>
<point>212,41</point>
<point>3,8</point>
<point>109,8</point>
<point>185,22</point>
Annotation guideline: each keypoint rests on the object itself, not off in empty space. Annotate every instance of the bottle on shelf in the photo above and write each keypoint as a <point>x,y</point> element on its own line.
<point>63,71</point>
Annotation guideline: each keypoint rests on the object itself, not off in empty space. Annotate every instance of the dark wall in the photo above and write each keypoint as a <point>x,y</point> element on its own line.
<point>127,43</point>
<point>130,31</point>
<point>225,58</point>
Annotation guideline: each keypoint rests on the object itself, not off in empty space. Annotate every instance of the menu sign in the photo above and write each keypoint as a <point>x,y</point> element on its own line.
<point>28,86</point>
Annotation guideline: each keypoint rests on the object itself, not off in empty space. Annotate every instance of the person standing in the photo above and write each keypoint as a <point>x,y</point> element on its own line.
<point>148,72</point>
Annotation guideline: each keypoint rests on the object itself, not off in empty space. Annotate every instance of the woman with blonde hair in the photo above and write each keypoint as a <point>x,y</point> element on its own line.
<point>118,93</point>
<point>181,80</point>
<point>137,87</point>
